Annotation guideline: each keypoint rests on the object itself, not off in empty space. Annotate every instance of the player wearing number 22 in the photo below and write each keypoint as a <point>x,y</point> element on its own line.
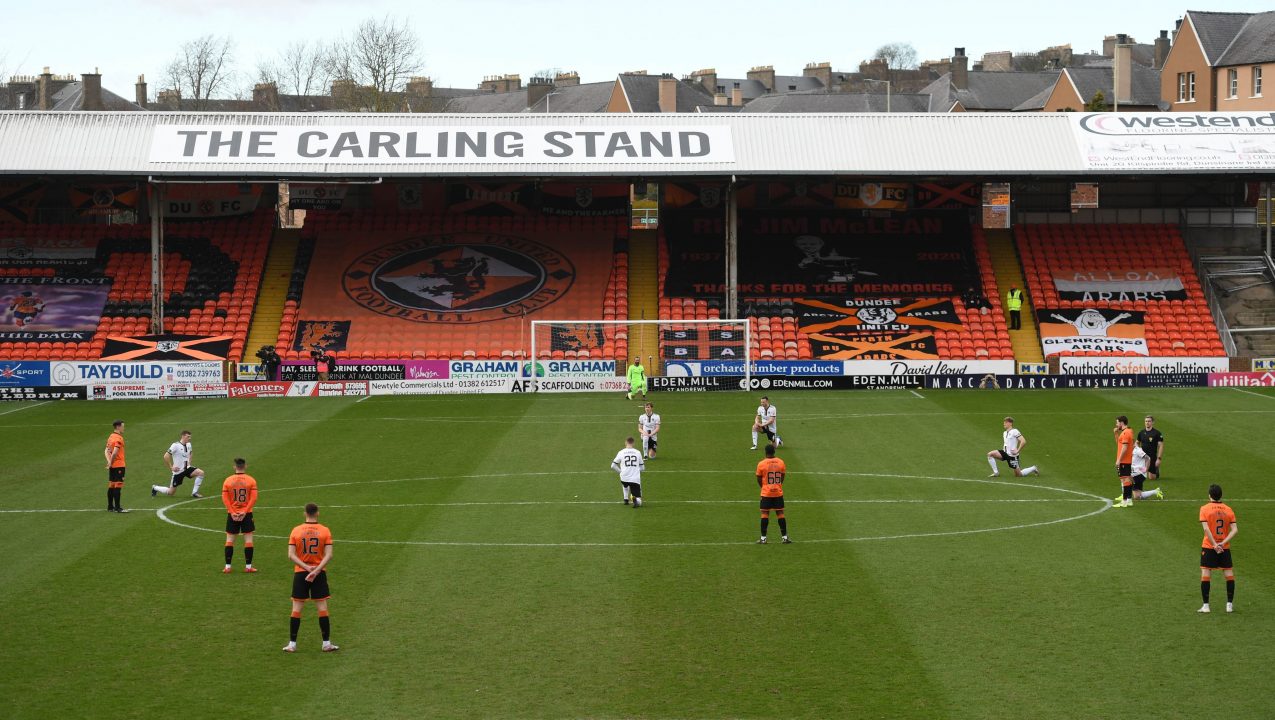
<point>239,495</point>
<point>770,477</point>
<point>629,463</point>
<point>310,550</point>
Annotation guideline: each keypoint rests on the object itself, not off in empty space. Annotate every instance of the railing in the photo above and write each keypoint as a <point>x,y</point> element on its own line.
<point>1215,307</point>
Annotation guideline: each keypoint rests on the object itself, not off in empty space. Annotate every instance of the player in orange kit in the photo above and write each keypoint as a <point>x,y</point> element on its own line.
<point>1219,528</point>
<point>770,477</point>
<point>239,495</point>
<point>310,549</point>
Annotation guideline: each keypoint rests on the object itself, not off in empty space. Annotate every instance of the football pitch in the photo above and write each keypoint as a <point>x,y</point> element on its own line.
<point>484,566</point>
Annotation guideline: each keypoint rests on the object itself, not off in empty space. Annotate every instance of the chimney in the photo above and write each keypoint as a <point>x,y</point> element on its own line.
<point>1002,61</point>
<point>566,79</point>
<point>46,89</point>
<point>265,97</point>
<point>736,96</point>
<point>538,89</point>
<point>92,91</point>
<point>819,71</point>
<point>1109,46</point>
<point>1161,49</point>
<point>172,99</point>
<point>706,77</point>
<point>960,69</point>
<point>668,93</point>
<point>501,83</point>
<point>764,74</point>
<point>421,87</point>
<point>139,91</point>
<point>719,96</point>
<point>1123,68</point>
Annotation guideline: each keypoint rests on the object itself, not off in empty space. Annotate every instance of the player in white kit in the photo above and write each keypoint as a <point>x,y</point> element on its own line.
<point>629,463</point>
<point>177,458</point>
<point>767,422</point>
<point>649,429</point>
<point>1012,443</point>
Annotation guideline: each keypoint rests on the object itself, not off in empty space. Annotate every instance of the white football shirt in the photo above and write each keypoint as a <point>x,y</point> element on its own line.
<point>1013,441</point>
<point>181,455</point>
<point>1141,461</point>
<point>768,416</point>
<point>649,423</point>
<point>629,463</point>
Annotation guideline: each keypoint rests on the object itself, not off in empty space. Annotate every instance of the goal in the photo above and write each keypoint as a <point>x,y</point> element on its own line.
<point>696,355</point>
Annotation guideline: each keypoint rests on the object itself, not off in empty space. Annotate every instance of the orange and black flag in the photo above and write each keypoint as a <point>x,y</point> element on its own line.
<point>167,347</point>
<point>103,199</point>
<point>859,315</point>
<point>874,346</point>
<point>327,334</point>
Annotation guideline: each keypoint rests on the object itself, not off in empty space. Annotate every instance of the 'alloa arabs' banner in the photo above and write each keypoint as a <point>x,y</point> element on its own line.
<point>51,309</point>
<point>427,144</point>
<point>1091,330</point>
<point>1102,286</point>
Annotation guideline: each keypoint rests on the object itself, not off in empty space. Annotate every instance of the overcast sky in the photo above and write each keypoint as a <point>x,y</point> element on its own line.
<point>463,40</point>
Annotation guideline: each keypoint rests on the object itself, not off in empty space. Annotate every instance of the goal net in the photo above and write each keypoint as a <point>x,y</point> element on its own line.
<point>699,355</point>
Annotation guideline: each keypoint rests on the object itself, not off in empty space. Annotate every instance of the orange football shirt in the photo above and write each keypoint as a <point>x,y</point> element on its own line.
<point>770,474</point>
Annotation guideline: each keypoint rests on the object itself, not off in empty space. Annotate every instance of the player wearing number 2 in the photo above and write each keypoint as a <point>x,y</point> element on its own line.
<point>239,495</point>
<point>629,463</point>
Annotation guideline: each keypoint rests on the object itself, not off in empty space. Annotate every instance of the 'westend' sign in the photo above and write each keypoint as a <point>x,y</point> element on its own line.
<point>423,144</point>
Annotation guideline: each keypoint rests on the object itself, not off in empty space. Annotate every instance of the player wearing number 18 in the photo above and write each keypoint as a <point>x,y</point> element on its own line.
<point>239,495</point>
<point>310,550</point>
<point>770,477</point>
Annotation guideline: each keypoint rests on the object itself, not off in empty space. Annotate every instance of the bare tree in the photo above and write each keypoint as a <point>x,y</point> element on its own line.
<point>302,68</point>
<point>203,69</point>
<point>896,56</point>
<point>371,67</point>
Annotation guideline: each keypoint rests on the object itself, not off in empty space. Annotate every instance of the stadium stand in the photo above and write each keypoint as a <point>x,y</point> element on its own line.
<point>590,283</point>
<point>1173,327</point>
<point>212,270</point>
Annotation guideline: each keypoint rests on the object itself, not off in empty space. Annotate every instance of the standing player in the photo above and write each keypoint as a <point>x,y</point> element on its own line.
<point>1142,461</point>
<point>637,379</point>
<point>1124,460</point>
<point>629,463</point>
<point>1012,444</point>
<point>1152,442</point>
<point>177,458</point>
<point>767,422</point>
<point>115,467</point>
<point>1219,525</point>
<point>770,477</point>
<point>649,428</point>
<point>239,495</point>
<point>310,550</point>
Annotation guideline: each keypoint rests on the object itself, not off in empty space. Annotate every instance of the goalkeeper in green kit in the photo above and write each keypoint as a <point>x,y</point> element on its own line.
<point>637,379</point>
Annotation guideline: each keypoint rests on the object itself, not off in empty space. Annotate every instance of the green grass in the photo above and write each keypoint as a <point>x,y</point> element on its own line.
<point>499,575</point>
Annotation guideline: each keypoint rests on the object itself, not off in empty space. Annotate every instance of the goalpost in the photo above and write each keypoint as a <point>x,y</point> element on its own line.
<point>702,355</point>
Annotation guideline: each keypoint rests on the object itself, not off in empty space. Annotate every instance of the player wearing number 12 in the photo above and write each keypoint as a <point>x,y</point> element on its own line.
<point>239,495</point>
<point>770,477</point>
<point>310,550</point>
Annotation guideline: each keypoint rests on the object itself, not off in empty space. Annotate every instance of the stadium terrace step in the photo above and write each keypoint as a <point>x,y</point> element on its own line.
<point>274,289</point>
<point>644,296</point>
<point>1009,274</point>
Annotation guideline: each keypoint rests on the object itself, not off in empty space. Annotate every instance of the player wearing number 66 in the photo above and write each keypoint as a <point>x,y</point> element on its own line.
<point>239,495</point>
<point>629,463</point>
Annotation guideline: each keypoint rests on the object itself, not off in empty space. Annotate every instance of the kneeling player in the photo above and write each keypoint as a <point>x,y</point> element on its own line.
<point>649,427</point>
<point>177,458</point>
<point>1219,525</point>
<point>767,421</point>
<point>1140,467</point>
<point>1012,444</point>
<point>310,550</point>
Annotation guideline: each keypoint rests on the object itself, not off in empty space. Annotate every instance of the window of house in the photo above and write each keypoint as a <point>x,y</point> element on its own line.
<point>1257,81</point>
<point>1233,83</point>
<point>1186,87</point>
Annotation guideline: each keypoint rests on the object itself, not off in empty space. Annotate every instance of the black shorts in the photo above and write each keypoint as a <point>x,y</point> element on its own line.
<point>772,503</point>
<point>1137,482</point>
<point>236,527</point>
<point>652,443</point>
<point>770,434</point>
<point>178,477</point>
<point>635,489</point>
<point>1210,558</point>
<point>1154,469</point>
<point>115,475</point>
<point>1124,471</point>
<point>306,590</point>
<point>1011,459</point>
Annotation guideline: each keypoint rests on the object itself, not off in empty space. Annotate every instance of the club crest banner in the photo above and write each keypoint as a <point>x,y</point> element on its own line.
<point>848,345</point>
<point>860,315</point>
<point>167,347</point>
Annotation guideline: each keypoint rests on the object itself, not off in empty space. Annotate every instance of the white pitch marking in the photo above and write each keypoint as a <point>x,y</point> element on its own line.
<point>1250,392</point>
<point>162,513</point>
<point>917,394</point>
<point>25,407</point>
<point>365,397</point>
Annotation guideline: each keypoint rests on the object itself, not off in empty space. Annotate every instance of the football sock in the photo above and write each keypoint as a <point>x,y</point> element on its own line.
<point>625,488</point>
<point>294,624</point>
<point>230,553</point>
<point>199,480</point>
<point>754,437</point>
<point>783,527</point>
<point>637,501</point>
<point>325,625</point>
<point>1150,493</point>
<point>247,555</point>
<point>1029,471</point>
<point>1127,491</point>
<point>1204,590</point>
<point>110,498</point>
<point>1230,591</point>
<point>765,522</point>
<point>992,461</point>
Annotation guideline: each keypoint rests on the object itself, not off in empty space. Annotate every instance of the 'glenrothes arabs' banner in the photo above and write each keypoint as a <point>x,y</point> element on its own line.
<point>406,144</point>
<point>1092,330</point>
<point>1101,286</point>
<point>1179,141</point>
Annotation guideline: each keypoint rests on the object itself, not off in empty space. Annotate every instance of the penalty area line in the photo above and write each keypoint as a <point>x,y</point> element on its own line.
<point>25,407</point>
